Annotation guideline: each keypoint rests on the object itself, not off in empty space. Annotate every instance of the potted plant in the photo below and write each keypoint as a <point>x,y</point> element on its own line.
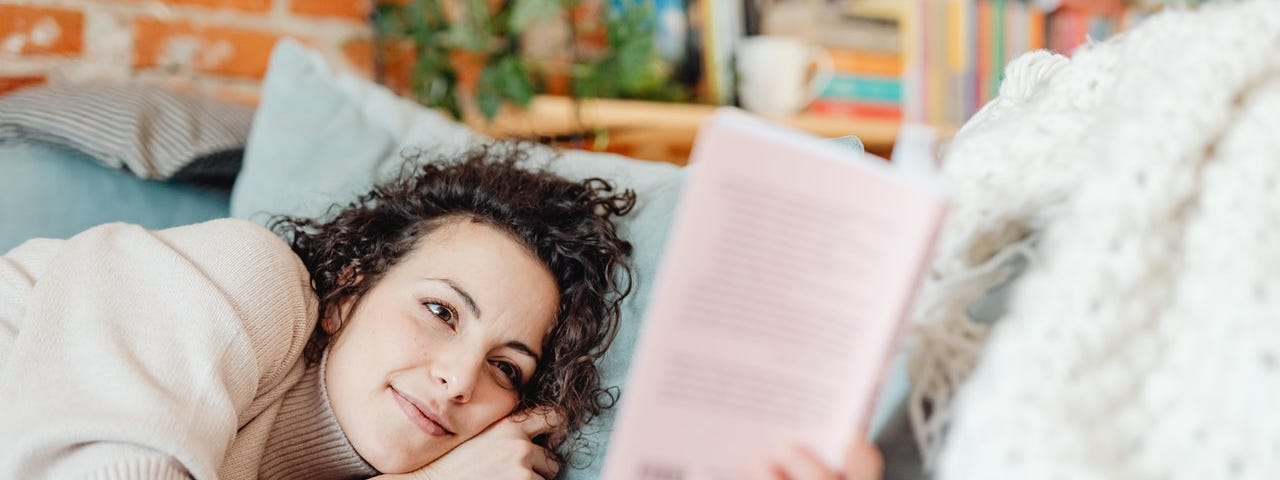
<point>461,53</point>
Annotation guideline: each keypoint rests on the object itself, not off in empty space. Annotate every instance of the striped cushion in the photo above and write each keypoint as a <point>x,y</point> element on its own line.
<point>152,132</point>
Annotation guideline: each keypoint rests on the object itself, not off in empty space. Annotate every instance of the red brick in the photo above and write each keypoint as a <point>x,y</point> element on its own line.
<point>398,60</point>
<point>9,84</point>
<point>360,55</point>
<point>38,30</point>
<point>211,49</point>
<point>353,9</point>
<point>246,5</point>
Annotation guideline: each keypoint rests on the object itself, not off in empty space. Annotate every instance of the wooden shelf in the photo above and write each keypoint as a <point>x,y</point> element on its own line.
<point>656,131</point>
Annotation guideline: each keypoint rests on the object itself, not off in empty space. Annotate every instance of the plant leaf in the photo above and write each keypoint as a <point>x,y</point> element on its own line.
<point>514,80</point>
<point>532,12</point>
<point>488,91</point>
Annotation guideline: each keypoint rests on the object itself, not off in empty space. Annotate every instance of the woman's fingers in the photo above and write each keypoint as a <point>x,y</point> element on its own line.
<point>544,464</point>
<point>764,471</point>
<point>864,461</point>
<point>533,423</point>
<point>537,421</point>
<point>798,463</point>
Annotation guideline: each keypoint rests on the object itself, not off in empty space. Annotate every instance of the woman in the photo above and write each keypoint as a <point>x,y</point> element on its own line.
<point>378,340</point>
<point>444,326</point>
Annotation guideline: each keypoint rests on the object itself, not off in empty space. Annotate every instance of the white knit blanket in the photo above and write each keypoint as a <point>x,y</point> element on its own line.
<point>1143,341</point>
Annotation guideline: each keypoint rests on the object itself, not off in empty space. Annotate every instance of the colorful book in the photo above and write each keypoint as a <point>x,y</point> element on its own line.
<point>997,48</point>
<point>863,87</point>
<point>777,305</point>
<point>855,109</point>
<point>866,62</point>
<point>858,33</point>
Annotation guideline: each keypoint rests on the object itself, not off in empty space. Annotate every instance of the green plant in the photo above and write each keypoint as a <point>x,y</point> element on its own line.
<point>630,66</point>
<point>443,36</point>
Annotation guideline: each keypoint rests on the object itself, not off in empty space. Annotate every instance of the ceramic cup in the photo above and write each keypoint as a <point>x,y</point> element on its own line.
<point>780,75</point>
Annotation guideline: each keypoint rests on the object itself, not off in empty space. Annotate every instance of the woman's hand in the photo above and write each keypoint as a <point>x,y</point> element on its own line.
<point>504,450</point>
<point>796,462</point>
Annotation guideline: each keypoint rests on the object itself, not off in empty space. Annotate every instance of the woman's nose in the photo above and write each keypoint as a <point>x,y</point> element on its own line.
<point>457,377</point>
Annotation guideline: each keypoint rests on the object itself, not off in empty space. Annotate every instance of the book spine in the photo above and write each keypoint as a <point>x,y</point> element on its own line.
<point>955,62</point>
<point>997,48</point>
<point>913,60</point>
<point>862,87</point>
<point>1035,29</point>
<point>984,51</point>
<point>1079,30</point>
<point>855,109</point>
<point>970,46</point>
<point>938,104</point>
<point>866,63</point>
<point>1017,31</point>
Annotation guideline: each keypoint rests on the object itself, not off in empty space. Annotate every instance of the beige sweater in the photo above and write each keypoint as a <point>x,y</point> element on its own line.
<point>126,353</point>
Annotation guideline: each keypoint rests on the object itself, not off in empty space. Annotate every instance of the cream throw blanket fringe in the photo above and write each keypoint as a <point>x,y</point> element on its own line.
<point>1141,340</point>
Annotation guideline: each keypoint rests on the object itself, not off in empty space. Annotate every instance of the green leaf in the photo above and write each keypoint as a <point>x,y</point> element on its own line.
<point>514,80</point>
<point>488,92</point>
<point>416,10</point>
<point>477,15</point>
<point>463,35</point>
<point>388,20</point>
<point>531,12</point>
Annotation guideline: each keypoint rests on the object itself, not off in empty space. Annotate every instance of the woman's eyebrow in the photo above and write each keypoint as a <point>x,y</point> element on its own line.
<point>471,303</point>
<point>466,297</point>
<point>522,348</point>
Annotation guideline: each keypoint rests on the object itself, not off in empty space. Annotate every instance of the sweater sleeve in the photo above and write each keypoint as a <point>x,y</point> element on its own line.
<point>138,353</point>
<point>19,270</point>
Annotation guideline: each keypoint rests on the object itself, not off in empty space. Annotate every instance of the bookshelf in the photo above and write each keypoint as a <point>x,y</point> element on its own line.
<point>657,131</point>
<point>927,61</point>
<point>956,51</point>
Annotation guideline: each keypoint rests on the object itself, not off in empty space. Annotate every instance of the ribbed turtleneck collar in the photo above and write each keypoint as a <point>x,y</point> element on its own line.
<point>306,441</point>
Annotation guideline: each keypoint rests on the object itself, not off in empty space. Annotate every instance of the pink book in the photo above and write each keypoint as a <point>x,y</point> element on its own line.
<point>790,266</point>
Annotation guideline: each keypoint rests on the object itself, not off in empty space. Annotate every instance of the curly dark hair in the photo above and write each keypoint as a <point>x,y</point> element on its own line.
<point>567,225</point>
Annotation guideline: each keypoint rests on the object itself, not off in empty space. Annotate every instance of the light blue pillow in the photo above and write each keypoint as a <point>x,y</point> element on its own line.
<point>322,136</point>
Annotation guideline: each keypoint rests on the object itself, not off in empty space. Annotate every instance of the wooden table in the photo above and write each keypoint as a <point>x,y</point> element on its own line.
<point>651,130</point>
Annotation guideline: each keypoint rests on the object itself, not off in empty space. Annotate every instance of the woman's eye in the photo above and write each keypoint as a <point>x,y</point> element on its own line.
<point>443,312</point>
<point>511,372</point>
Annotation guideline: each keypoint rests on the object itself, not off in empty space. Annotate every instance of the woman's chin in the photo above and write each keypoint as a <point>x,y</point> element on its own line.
<point>398,463</point>
<point>396,457</point>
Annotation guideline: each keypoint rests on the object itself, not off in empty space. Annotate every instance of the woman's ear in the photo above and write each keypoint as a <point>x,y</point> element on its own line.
<point>333,322</point>
<point>338,317</point>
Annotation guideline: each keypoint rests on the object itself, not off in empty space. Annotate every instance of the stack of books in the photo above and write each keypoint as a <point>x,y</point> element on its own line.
<point>866,84</point>
<point>865,41</point>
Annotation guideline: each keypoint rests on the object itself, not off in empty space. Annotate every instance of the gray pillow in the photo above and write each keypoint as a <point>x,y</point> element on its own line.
<point>154,133</point>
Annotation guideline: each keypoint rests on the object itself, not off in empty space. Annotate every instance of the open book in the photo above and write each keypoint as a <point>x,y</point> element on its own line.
<point>790,266</point>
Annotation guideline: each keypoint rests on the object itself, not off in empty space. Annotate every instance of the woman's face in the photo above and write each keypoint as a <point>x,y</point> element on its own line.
<point>437,350</point>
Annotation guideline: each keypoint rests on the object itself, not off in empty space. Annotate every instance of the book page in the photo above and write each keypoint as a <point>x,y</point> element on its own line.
<point>789,267</point>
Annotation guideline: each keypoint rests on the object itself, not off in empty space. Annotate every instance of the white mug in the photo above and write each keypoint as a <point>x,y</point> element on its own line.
<point>773,74</point>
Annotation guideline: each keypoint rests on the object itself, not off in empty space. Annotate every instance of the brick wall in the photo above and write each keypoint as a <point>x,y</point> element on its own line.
<point>216,46</point>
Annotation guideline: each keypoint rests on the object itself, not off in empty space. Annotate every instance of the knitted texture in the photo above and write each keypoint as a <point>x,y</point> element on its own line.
<point>1140,179</point>
<point>129,354</point>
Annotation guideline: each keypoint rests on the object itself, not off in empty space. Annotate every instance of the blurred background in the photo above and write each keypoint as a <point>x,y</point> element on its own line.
<point>628,76</point>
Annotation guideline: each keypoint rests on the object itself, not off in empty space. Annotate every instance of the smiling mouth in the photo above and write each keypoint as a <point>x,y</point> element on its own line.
<point>425,422</point>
